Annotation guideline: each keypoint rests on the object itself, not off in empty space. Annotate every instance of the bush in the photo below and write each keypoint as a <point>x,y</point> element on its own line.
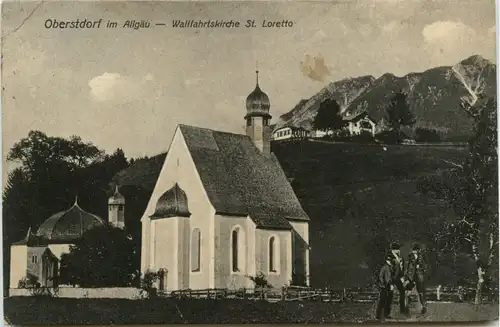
<point>260,281</point>
<point>147,284</point>
<point>29,281</point>
<point>98,259</point>
<point>363,137</point>
<point>391,137</point>
<point>427,135</point>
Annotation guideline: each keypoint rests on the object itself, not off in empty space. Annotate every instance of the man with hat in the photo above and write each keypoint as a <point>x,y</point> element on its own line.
<point>385,286</point>
<point>398,275</point>
<point>415,274</point>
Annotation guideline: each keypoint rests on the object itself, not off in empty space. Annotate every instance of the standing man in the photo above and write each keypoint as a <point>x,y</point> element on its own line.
<point>385,290</point>
<point>398,275</point>
<point>415,274</point>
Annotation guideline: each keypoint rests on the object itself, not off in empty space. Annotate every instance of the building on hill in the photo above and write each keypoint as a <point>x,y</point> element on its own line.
<point>289,132</point>
<point>39,253</point>
<point>357,124</point>
<point>222,210</point>
<point>316,133</point>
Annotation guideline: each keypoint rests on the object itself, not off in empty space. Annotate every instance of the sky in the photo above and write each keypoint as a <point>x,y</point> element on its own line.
<point>127,88</point>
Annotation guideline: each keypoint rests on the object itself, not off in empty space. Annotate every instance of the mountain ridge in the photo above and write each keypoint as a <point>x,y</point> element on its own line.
<point>435,96</point>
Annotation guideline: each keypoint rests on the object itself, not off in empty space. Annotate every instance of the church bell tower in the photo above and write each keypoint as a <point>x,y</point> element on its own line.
<point>258,118</point>
<point>116,209</point>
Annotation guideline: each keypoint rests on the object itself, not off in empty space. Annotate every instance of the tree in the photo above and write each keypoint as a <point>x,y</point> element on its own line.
<point>399,113</point>
<point>328,117</point>
<point>38,150</point>
<point>17,190</point>
<point>51,171</point>
<point>104,257</point>
<point>471,189</point>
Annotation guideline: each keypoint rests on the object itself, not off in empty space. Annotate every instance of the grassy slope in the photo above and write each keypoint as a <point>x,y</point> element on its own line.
<point>53,311</point>
<point>359,198</point>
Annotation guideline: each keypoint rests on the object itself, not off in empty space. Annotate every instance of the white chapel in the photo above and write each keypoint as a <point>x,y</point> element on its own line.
<point>222,209</point>
<point>39,254</point>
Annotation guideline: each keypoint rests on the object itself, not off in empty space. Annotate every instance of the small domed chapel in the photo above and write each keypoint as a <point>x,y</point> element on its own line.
<point>222,210</point>
<point>39,253</point>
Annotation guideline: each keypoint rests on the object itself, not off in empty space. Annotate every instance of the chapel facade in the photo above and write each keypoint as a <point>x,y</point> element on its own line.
<point>39,253</point>
<point>223,210</point>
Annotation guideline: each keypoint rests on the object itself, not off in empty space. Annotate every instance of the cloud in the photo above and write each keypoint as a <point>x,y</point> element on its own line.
<point>449,41</point>
<point>447,31</point>
<point>115,87</point>
<point>315,68</point>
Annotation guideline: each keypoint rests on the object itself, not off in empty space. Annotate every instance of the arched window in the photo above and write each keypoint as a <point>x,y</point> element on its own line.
<point>272,255</point>
<point>235,244</point>
<point>195,250</point>
<point>238,247</point>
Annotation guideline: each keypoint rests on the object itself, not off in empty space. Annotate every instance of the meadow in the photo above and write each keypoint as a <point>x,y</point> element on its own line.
<point>362,197</point>
<point>51,311</point>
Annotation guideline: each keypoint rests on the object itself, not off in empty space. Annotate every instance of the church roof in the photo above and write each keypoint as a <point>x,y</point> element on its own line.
<point>240,180</point>
<point>358,117</point>
<point>172,203</point>
<point>30,240</point>
<point>68,226</point>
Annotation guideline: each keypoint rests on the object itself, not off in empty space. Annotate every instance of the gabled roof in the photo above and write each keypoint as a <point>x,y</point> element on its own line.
<point>358,117</point>
<point>240,180</point>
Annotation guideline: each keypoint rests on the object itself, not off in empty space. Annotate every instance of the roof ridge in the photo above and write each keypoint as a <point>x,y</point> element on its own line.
<point>211,130</point>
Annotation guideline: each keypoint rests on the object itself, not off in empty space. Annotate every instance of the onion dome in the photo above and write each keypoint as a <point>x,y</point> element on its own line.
<point>258,103</point>
<point>68,226</point>
<point>116,198</point>
<point>172,203</point>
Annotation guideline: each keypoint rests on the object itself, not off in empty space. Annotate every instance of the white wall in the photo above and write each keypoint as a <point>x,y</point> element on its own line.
<point>225,277</point>
<point>179,168</point>
<point>75,292</point>
<point>318,133</point>
<point>18,264</point>
<point>59,249</point>
<point>283,253</point>
<point>282,134</point>
<point>355,128</point>
<point>164,249</point>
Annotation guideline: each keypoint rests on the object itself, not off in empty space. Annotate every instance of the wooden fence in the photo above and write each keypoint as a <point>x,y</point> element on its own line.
<point>437,294</point>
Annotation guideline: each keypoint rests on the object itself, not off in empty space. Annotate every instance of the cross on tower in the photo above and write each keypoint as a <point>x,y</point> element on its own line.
<point>257,71</point>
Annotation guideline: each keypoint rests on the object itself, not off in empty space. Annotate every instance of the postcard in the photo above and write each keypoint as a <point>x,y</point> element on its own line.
<point>249,162</point>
